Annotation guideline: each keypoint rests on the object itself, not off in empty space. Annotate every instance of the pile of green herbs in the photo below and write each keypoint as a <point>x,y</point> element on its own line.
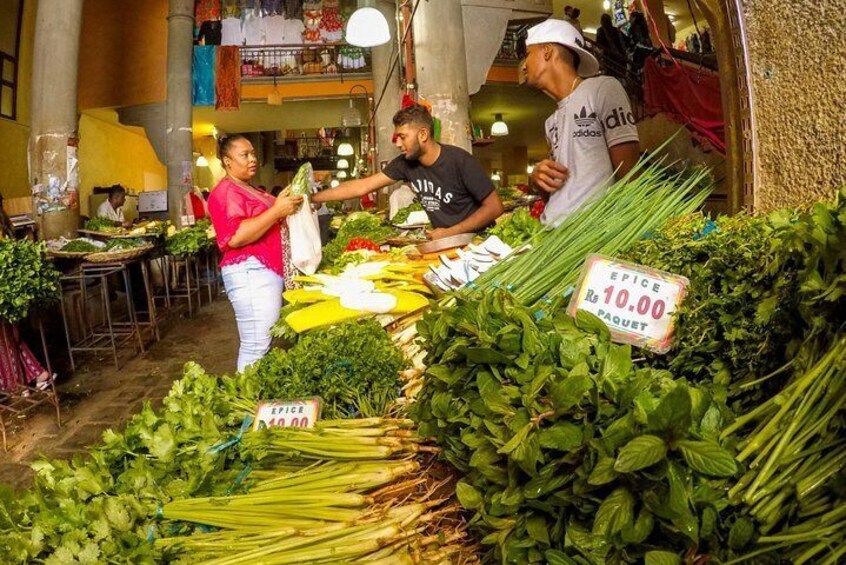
<point>402,214</point>
<point>122,243</point>
<point>358,224</point>
<point>79,246</point>
<point>762,290</point>
<point>27,278</point>
<point>104,225</point>
<point>572,452</point>
<point>354,367</point>
<point>101,507</point>
<point>190,240</point>
<point>518,229</point>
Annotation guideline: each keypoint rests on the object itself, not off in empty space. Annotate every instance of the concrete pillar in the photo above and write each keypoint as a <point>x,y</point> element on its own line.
<point>385,150</point>
<point>655,10</point>
<point>178,138</point>
<point>55,119</point>
<point>442,67</point>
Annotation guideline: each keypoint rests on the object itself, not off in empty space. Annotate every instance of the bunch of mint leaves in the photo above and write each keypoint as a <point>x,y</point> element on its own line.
<point>571,452</point>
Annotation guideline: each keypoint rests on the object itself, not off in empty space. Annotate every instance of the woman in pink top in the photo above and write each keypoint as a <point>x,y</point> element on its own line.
<point>248,226</point>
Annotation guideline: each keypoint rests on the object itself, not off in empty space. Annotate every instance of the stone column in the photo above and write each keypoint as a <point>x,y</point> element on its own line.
<point>54,132</point>
<point>385,150</point>
<point>178,136</point>
<point>442,67</point>
<point>655,10</point>
<point>391,101</point>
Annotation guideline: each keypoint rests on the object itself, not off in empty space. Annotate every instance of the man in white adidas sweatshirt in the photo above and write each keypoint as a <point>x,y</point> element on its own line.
<point>592,134</point>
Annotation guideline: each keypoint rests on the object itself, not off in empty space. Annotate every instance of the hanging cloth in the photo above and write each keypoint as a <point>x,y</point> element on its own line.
<point>18,365</point>
<point>688,96</point>
<point>206,10</point>
<point>203,75</point>
<point>228,79</point>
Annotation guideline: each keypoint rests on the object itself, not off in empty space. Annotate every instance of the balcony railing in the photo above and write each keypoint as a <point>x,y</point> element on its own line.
<point>304,61</point>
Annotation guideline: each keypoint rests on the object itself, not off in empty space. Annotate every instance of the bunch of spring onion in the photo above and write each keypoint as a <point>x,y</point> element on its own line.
<point>796,455</point>
<point>631,208</point>
<point>358,439</point>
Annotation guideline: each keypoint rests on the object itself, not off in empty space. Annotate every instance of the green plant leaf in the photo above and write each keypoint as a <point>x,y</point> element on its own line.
<point>615,513</point>
<point>673,411</point>
<point>603,472</point>
<point>469,497</point>
<point>640,453</point>
<point>516,440</point>
<point>536,528</point>
<point>708,458</point>
<point>661,558</point>
<point>563,436</point>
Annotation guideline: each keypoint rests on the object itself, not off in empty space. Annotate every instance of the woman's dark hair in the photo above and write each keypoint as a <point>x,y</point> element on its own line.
<point>417,115</point>
<point>605,21</point>
<point>224,143</point>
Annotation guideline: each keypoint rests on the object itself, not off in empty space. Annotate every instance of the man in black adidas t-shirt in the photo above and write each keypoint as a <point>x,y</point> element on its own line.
<point>450,184</point>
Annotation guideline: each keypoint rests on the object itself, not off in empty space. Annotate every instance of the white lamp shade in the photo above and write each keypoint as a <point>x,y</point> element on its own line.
<point>202,161</point>
<point>343,164</point>
<point>334,183</point>
<point>367,27</point>
<point>495,177</point>
<point>606,5</point>
<point>499,127</point>
<point>346,150</point>
<point>530,169</point>
<point>342,174</point>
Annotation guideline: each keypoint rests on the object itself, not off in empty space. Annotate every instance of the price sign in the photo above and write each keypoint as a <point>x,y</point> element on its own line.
<point>635,302</point>
<point>287,413</point>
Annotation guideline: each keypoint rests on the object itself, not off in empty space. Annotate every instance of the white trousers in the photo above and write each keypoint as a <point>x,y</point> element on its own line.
<point>256,296</point>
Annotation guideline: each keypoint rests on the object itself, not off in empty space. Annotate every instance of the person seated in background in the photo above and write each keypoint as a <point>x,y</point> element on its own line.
<point>112,207</point>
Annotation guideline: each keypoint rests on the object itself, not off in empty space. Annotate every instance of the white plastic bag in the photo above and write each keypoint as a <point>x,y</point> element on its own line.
<point>303,227</point>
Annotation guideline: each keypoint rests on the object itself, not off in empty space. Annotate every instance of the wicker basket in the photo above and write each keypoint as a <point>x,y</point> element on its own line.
<point>121,255</point>
<point>68,254</point>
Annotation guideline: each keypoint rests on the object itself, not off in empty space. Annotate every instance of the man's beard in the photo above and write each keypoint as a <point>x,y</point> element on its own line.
<point>413,154</point>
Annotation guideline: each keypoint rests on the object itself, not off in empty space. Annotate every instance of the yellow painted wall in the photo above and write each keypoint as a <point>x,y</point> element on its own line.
<point>14,135</point>
<point>113,154</point>
<point>122,53</point>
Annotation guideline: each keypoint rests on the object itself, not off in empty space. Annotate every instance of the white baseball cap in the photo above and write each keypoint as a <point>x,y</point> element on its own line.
<point>566,34</point>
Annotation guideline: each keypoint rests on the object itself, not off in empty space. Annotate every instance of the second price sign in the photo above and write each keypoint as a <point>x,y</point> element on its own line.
<point>635,302</point>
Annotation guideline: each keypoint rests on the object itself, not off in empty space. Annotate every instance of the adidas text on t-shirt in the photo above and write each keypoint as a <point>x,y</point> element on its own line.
<point>594,118</point>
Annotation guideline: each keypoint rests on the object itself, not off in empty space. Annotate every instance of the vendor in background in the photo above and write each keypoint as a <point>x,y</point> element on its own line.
<point>452,186</point>
<point>249,225</point>
<point>592,135</point>
<point>112,207</point>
